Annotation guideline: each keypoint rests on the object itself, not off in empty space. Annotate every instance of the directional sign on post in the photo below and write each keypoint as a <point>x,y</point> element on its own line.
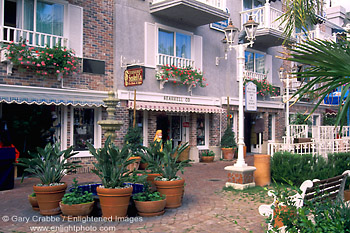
<point>250,97</point>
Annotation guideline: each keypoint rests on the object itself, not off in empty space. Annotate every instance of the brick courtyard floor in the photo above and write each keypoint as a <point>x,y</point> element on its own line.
<point>206,208</point>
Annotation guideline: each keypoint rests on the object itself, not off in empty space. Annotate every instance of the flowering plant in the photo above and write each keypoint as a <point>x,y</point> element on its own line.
<point>43,61</point>
<point>181,76</point>
<point>263,87</point>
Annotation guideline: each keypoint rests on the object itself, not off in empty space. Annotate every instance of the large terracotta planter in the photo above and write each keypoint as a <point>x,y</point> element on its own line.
<point>77,209</point>
<point>49,197</point>
<point>228,153</point>
<point>173,190</point>
<point>346,195</point>
<point>114,202</point>
<point>278,210</point>
<point>143,166</point>
<point>150,208</point>
<point>34,202</point>
<point>150,180</point>
<point>262,174</point>
<point>135,165</point>
<point>207,159</point>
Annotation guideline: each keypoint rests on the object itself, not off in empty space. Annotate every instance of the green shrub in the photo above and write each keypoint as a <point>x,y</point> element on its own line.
<point>228,139</point>
<point>148,196</point>
<point>208,154</point>
<point>77,196</point>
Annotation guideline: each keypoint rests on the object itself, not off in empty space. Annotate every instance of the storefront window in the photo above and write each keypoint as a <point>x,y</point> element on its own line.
<point>201,130</point>
<point>83,128</point>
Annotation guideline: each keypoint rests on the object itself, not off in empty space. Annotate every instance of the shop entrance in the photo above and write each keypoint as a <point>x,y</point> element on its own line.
<point>253,132</point>
<point>172,128</point>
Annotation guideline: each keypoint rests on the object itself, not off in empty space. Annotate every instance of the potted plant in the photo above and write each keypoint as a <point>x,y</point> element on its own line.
<point>228,143</point>
<point>208,156</point>
<point>153,156</point>
<point>149,203</point>
<point>33,201</point>
<point>133,138</point>
<point>169,184</point>
<point>112,169</point>
<point>50,165</point>
<point>77,203</point>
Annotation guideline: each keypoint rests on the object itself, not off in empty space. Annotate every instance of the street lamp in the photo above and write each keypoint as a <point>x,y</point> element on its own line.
<point>230,31</point>
<point>281,74</point>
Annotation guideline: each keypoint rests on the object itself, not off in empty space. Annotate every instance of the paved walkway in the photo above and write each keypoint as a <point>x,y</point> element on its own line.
<point>206,208</point>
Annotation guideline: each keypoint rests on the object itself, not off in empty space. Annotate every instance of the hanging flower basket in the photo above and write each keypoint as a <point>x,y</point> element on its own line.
<point>42,61</point>
<point>181,76</point>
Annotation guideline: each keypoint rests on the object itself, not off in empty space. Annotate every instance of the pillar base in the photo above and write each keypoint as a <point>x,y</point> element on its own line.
<point>240,177</point>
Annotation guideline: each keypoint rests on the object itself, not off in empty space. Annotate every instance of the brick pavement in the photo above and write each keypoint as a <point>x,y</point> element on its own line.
<point>206,208</point>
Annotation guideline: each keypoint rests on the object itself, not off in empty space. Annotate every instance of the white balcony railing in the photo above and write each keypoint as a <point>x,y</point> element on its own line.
<point>36,39</point>
<point>172,60</point>
<point>221,4</point>
<point>254,75</point>
<point>266,16</point>
<point>315,34</point>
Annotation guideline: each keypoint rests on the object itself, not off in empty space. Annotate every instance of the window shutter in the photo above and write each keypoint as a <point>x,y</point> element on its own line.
<point>75,30</point>
<point>268,67</point>
<point>150,45</point>
<point>198,51</point>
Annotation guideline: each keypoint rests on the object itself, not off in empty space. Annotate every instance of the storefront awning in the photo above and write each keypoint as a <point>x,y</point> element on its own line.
<point>153,106</point>
<point>47,96</point>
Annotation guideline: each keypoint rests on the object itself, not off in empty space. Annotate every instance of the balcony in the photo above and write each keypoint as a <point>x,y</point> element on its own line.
<point>35,39</point>
<point>254,75</point>
<point>270,30</point>
<point>315,34</point>
<point>191,12</point>
<point>163,59</point>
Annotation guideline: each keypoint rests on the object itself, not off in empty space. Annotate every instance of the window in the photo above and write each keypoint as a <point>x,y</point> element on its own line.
<point>250,4</point>
<point>255,62</point>
<point>35,16</point>
<point>271,127</point>
<point>167,41</point>
<point>83,127</point>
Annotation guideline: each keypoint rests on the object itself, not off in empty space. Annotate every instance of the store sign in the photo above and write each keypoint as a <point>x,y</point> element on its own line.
<point>186,124</point>
<point>134,76</point>
<point>250,97</point>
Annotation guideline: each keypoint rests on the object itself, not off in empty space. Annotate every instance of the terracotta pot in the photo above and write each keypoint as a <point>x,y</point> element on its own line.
<point>49,197</point>
<point>150,180</point>
<point>143,166</point>
<point>173,190</point>
<point>34,202</point>
<point>77,209</point>
<point>207,159</point>
<point>228,153</point>
<point>135,165</point>
<point>114,202</point>
<point>278,210</point>
<point>346,195</point>
<point>262,174</point>
<point>150,208</point>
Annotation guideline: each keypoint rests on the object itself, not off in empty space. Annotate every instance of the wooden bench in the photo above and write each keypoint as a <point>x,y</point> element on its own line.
<point>314,191</point>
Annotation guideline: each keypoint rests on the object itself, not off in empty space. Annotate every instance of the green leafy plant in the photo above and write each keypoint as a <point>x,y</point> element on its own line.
<point>134,139</point>
<point>153,156</point>
<point>33,195</point>
<point>169,165</point>
<point>49,164</point>
<point>300,119</point>
<point>148,196</point>
<point>263,87</point>
<point>181,76</point>
<point>111,164</point>
<point>77,196</point>
<point>208,154</point>
<point>228,138</point>
<point>43,61</point>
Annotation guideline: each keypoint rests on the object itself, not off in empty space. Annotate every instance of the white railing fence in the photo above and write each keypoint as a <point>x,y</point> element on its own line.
<point>298,131</point>
<point>36,39</point>
<point>176,61</point>
<point>329,132</point>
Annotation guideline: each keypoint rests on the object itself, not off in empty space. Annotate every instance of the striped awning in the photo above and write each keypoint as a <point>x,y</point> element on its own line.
<point>168,107</point>
<point>47,96</point>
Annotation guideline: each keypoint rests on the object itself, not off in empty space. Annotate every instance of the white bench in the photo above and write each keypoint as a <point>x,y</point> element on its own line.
<point>332,188</point>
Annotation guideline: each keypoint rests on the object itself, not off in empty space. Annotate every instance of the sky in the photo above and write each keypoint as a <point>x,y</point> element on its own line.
<point>344,3</point>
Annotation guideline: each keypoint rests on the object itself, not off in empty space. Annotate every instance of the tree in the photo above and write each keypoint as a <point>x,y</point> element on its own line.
<point>327,62</point>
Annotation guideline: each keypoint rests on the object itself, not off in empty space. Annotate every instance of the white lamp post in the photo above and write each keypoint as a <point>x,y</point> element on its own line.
<point>230,31</point>
<point>240,174</point>
<point>281,74</point>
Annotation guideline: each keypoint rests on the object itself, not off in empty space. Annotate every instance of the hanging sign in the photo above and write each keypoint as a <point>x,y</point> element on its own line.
<point>250,97</point>
<point>134,76</point>
<point>186,124</point>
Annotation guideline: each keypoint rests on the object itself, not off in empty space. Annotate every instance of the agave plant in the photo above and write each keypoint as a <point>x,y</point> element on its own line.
<point>49,164</point>
<point>169,165</point>
<point>153,156</point>
<point>112,164</point>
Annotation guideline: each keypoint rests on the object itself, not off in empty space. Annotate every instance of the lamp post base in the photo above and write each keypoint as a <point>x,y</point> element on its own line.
<point>240,177</point>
